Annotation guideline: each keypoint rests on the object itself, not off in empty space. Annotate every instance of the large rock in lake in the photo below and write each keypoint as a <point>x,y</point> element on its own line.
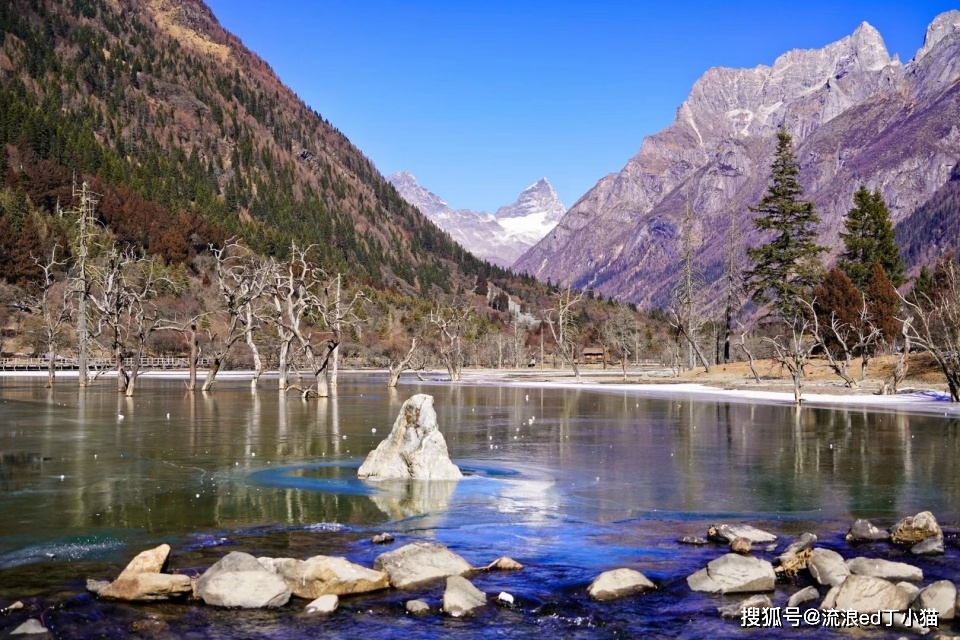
<point>866,594</point>
<point>415,564</point>
<point>734,574</point>
<point>827,567</point>
<point>915,529</point>
<point>415,448</point>
<point>618,583</point>
<point>239,580</point>
<point>461,597</point>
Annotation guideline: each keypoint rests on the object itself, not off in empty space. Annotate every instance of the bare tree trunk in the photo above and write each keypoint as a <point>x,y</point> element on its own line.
<point>51,369</point>
<point>257,361</point>
<point>282,365</point>
<point>753,367</point>
<point>401,366</point>
<point>194,357</point>
<point>211,373</point>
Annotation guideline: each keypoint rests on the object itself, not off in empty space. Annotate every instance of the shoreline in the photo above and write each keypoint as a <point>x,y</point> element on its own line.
<point>654,383</point>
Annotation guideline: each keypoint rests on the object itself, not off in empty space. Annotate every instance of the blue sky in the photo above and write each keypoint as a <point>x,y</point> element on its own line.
<point>481,99</point>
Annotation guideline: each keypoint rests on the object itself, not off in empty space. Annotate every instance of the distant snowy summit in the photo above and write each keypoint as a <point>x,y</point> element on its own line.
<point>500,238</point>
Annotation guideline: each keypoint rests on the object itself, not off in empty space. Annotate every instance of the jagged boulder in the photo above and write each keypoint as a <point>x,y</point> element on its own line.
<point>239,580</point>
<point>733,573</point>
<point>324,575</point>
<point>618,583</point>
<point>736,610</point>
<point>461,597</point>
<point>324,604</point>
<point>418,563</point>
<point>804,542</point>
<point>415,448</point>
<point>807,594</point>
<point>141,580</point>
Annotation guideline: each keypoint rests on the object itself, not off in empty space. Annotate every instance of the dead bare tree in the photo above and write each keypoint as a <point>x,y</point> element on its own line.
<point>742,343</point>
<point>891,384</point>
<point>620,332</point>
<point>143,287</point>
<point>109,296</point>
<point>451,322</point>
<point>846,339</point>
<point>399,362</point>
<point>563,328</point>
<point>241,278</point>
<point>795,349</point>
<point>688,294</point>
<point>935,323</point>
<point>53,302</point>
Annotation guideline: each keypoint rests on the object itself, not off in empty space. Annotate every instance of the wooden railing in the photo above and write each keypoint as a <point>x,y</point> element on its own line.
<point>70,364</point>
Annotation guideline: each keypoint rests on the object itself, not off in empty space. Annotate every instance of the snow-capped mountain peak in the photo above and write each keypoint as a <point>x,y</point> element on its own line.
<point>500,238</point>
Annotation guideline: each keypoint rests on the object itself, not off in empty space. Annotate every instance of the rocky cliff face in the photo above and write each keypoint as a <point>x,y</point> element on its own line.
<point>500,238</point>
<point>857,117</point>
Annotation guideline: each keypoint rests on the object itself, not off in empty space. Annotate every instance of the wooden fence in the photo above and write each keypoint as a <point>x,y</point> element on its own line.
<point>97,364</point>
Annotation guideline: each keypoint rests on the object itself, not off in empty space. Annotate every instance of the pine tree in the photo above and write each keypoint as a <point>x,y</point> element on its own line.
<point>883,303</point>
<point>870,238</point>
<point>786,267</point>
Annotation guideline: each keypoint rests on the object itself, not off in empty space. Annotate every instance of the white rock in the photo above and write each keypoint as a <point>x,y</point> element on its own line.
<point>727,533</point>
<point>734,573</point>
<point>461,597</point>
<point>505,598</point>
<point>618,583</point>
<point>418,563</point>
<point>758,601</point>
<point>415,448</point>
<point>867,594</point>
<point>417,607</point>
<point>239,580</point>
<point>324,604</point>
<point>322,575</point>
<point>807,594</point>
<point>30,627</point>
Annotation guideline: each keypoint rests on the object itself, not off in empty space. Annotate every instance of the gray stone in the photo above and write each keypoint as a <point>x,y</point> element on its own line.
<point>415,448</point>
<point>942,596</point>
<point>830,600</point>
<point>733,573</point>
<point>503,563</point>
<point>30,627</point>
<point>460,597</point>
<point>417,607</point>
<point>239,580</point>
<point>740,545</point>
<point>419,563</point>
<point>827,567</point>
<point>867,594</point>
<point>807,594</point>
<point>727,533</point>
<point>324,604</point>
<point>694,540</point>
<point>618,583</point>
<point>382,538</point>
<point>804,542</point>
<point>322,575</point>
<point>505,599</point>
<point>932,546</point>
<point>914,529</point>
<point>879,568</point>
<point>864,531</point>
<point>96,586</point>
<point>758,601</point>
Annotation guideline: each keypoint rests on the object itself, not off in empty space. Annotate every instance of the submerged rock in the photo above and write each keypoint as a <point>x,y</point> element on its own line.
<point>618,583</point>
<point>740,545</point>
<point>807,594</point>
<point>503,563</point>
<point>418,563</point>
<point>930,547</point>
<point>727,533</point>
<point>30,627</point>
<point>239,580</point>
<point>382,538</point>
<point>417,607</point>
<point>695,540</point>
<point>804,542</point>
<point>461,597</point>
<point>734,574</point>
<point>415,448</point>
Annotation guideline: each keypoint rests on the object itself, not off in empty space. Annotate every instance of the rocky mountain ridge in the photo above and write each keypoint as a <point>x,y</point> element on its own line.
<point>500,238</point>
<point>857,116</point>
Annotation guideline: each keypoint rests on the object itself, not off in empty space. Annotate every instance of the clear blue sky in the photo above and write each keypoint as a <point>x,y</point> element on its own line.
<point>479,99</point>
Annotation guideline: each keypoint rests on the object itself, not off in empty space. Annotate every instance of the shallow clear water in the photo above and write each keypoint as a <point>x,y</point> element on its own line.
<point>600,479</point>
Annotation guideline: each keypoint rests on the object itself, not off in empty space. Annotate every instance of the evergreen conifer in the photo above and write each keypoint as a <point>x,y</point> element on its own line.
<point>787,267</point>
<point>869,238</point>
